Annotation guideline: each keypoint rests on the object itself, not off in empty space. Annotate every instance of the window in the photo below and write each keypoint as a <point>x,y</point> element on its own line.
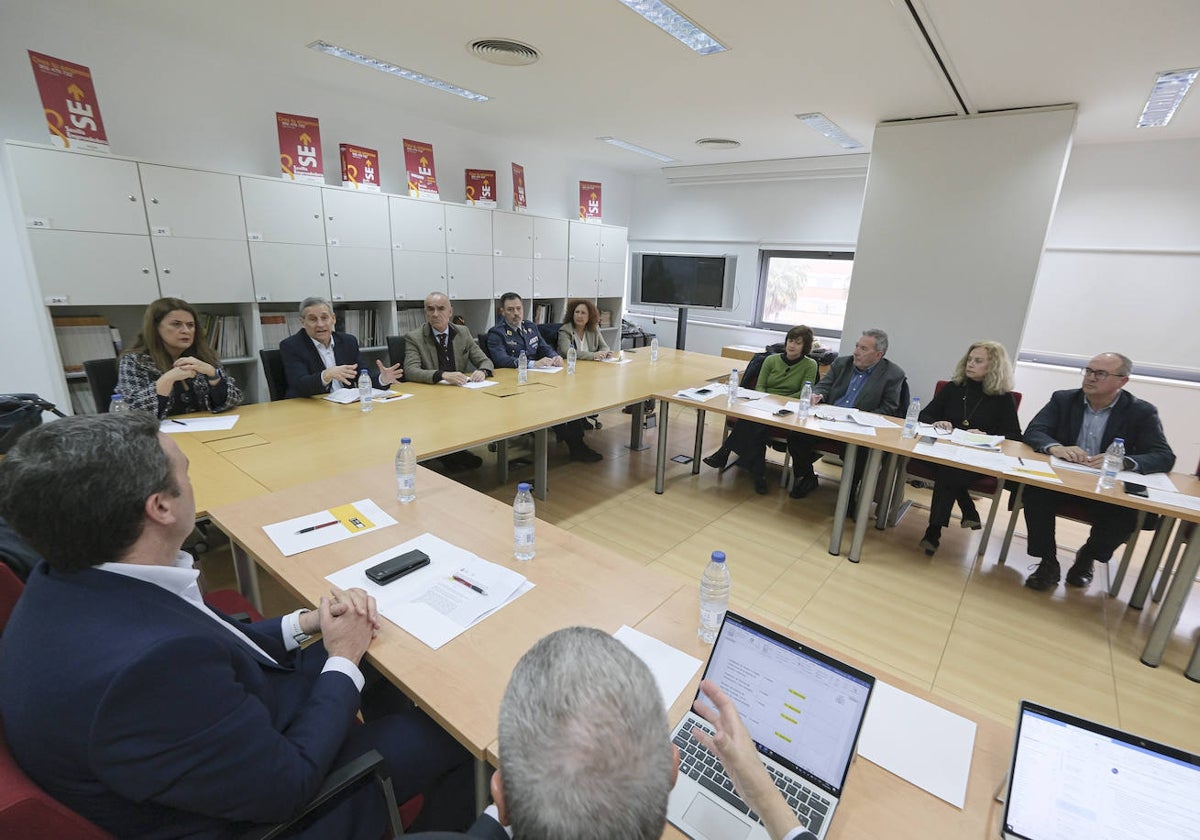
<point>803,287</point>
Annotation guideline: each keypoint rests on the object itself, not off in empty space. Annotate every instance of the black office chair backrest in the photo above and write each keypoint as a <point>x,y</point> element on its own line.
<point>395,346</point>
<point>549,333</point>
<point>102,380</point>
<point>272,364</point>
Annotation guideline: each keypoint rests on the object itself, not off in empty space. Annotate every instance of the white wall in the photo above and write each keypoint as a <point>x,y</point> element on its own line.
<point>165,101</point>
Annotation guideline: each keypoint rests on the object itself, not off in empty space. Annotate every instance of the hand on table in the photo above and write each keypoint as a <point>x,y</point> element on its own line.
<point>548,361</point>
<point>1076,455</point>
<point>816,399</point>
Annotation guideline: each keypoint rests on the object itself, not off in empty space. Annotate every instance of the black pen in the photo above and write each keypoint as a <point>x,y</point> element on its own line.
<point>466,582</point>
<point>315,527</point>
<point>1020,460</point>
<point>180,422</point>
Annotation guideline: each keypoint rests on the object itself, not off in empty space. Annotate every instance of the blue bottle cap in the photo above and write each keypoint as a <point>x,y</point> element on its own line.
<point>524,487</point>
<point>406,440</point>
<point>718,556</point>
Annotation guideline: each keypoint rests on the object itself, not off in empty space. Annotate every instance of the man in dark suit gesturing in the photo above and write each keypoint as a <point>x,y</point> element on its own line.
<point>129,700</point>
<point>317,359</point>
<point>1078,425</point>
<point>864,380</point>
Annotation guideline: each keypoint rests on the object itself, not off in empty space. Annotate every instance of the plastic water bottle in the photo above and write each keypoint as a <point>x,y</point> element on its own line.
<point>522,368</point>
<point>406,471</point>
<point>1114,462</point>
<point>365,394</point>
<point>805,402</point>
<point>733,386</point>
<point>117,403</point>
<point>714,597</point>
<point>912,419</point>
<point>524,520</point>
<point>654,349</point>
<point>572,357</point>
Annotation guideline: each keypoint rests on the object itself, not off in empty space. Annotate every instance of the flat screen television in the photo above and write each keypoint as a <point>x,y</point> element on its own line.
<point>693,281</point>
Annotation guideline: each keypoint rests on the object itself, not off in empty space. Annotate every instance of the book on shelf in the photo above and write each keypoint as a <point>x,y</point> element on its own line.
<point>82,401</point>
<point>276,326</point>
<point>409,319</point>
<point>226,335</point>
<point>361,323</point>
<point>81,338</point>
<point>606,317</point>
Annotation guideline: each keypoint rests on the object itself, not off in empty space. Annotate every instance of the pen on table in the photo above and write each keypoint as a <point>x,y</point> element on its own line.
<point>180,422</point>
<point>315,527</point>
<point>1020,460</point>
<point>468,583</point>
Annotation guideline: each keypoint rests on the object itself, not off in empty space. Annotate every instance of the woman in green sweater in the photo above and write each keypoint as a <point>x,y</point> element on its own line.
<point>783,374</point>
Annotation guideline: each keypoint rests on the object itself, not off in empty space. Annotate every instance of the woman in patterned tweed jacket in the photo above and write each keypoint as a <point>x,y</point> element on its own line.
<point>171,369</point>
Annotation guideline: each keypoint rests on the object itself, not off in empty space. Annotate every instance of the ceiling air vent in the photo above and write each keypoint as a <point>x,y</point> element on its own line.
<point>717,143</point>
<point>503,51</point>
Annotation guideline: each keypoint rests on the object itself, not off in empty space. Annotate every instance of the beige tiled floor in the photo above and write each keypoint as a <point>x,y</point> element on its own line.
<point>969,630</point>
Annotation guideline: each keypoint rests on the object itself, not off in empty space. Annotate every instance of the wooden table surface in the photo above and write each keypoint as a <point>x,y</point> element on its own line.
<point>459,685</point>
<point>876,803</point>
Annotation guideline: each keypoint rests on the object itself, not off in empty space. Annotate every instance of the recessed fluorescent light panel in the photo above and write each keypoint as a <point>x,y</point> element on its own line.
<point>402,72</point>
<point>676,25</point>
<point>641,150</point>
<point>1168,92</point>
<point>826,126</point>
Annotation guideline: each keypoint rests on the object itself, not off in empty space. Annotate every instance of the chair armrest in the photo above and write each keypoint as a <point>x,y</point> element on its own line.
<point>369,766</point>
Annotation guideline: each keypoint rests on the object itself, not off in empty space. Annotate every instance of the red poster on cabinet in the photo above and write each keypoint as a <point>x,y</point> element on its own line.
<point>418,161</point>
<point>518,188</point>
<point>481,187</point>
<point>589,201</point>
<point>360,167</point>
<point>300,148</point>
<point>69,102</point>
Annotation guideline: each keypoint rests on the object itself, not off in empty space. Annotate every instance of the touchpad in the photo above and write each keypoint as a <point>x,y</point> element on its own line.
<point>713,821</point>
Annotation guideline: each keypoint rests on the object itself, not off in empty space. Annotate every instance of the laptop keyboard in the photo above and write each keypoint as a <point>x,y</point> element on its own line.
<point>698,763</point>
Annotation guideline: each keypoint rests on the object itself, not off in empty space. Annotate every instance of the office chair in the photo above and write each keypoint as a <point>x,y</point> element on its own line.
<point>102,380</point>
<point>272,364</point>
<point>395,346</point>
<point>11,588</point>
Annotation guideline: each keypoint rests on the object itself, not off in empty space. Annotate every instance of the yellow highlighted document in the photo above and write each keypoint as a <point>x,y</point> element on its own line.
<point>782,736</point>
<point>788,719</point>
<point>797,693</point>
<point>793,708</point>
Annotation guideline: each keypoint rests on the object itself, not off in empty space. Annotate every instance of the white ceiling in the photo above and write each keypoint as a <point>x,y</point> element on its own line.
<point>605,71</point>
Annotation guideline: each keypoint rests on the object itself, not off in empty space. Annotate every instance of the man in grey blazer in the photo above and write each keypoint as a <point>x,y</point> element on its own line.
<point>438,352</point>
<point>864,380</point>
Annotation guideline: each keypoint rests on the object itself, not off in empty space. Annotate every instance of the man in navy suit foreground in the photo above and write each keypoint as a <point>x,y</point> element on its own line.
<point>136,705</point>
<point>586,752</point>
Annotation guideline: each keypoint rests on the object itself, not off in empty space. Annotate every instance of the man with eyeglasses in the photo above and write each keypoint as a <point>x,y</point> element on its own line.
<point>1078,425</point>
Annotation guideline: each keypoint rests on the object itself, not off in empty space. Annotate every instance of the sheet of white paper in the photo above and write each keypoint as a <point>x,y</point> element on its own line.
<point>918,741</point>
<point>355,518</point>
<point>219,423</point>
<point>342,396</point>
<point>926,429</point>
<point>546,370</point>
<point>429,603</point>
<point>1034,469</point>
<point>747,394</point>
<point>866,418</point>
<point>985,459</point>
<point>703,393</point>
<point>1060,464</point>
<point>1159,481</point>
<point>671,667</point>
<point>390,397</point>
<point>482,383</point>
<point>847,427</point>
<point>615,361</point>
<point>1181,500</point>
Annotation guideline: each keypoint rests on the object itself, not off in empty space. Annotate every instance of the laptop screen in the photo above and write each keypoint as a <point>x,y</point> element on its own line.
<point>803,708</point>
<point>1072,779</point>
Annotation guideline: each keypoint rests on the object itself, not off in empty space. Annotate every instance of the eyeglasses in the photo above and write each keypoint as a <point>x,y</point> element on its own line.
<point>1100,375</point>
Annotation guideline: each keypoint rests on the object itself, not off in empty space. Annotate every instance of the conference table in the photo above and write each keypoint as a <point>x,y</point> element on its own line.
<point>876,803</point>
<point>279,444</point>
<point>887,441</point>
<point>459,685</point>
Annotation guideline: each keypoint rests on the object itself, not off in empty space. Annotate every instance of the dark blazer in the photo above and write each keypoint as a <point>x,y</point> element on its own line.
<point>484,827</point>
<point>995,414</point>
<point>130,706</point>
<point>302,365</point>
<point>880,393</point>
<point>421,354</point>
<point>504,344</point>
<point>1137,421</point>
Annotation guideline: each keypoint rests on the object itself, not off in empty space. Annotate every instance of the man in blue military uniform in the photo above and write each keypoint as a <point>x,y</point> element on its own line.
<point>514,334</point>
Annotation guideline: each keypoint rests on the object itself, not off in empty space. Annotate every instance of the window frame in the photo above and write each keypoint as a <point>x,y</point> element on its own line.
<point>764,263</point>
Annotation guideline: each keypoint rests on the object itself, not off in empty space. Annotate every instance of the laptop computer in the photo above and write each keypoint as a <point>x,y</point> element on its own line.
<point>1072,779</point>
<point>803,709</point>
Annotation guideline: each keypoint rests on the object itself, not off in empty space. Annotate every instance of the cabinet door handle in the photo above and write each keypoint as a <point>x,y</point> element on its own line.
<point>154,201</point>
<point>132,198</point>
<point>145,271</point>
<point>166,271</point>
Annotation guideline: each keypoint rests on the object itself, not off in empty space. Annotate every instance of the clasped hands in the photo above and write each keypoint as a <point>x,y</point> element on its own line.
<point>457,377</point>
<point>1076,455</point>
<point>347,619</point>
<point>185,368</point>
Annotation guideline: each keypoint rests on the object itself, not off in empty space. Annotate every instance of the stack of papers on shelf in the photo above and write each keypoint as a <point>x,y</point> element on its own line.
<point>345,396</point>
<point>455,591</point>
<point>82,338</point>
